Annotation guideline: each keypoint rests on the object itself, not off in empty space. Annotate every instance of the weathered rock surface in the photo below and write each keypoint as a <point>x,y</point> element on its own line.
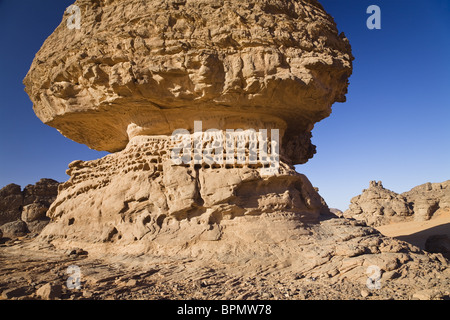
<point>136,71</point>
<point>139,198</point>
<point>336,212</point>
<point>49,291</point>
<point>328,260</point>
<point>159,65</point>
<point>29,206</point>
<point>14,229</point>
<point>378,206</point>
<point>42,193</point>
<point>428,198</point>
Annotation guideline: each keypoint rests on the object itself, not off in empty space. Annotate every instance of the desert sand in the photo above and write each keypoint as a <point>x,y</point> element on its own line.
<point>417,232</point>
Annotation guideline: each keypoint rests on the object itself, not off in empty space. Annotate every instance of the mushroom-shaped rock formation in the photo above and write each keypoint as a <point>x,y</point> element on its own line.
<point>156,66</point>
<point>135,71</point>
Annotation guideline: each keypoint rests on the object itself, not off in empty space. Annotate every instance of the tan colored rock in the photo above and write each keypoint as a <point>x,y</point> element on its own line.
<point>136,71</point>
<point>125,87</point>
<point>25,211</point>
<point>14,229</point>
<point>49,291</point>
<point>31,204</point>
<point>427,294</point>
<point>138,197</point>
<point>233,64</point>
<point>33,212</point>
<point>43,192</point>
<point>337,212</point>
<point>427,199</point>
<point>379,206</point>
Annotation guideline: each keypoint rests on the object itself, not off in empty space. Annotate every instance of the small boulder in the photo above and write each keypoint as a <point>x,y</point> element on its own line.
<point>76,252</point>
<point>49,291</point>
<point>14,229</point>
<point>34,211</point>
<point>35,227</point>
<point>426,294</point>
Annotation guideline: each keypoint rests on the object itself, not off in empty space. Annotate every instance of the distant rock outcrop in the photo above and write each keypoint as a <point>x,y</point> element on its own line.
<point>378,206</point>
<point>25,211</point>
<point>427,199</point>
<point>11,201</point>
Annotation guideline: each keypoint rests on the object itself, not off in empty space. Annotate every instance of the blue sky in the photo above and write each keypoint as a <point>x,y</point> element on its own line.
<point>394,127</point>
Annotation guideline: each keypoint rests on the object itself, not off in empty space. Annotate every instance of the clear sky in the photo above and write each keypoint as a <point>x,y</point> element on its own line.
<point>394,127</point>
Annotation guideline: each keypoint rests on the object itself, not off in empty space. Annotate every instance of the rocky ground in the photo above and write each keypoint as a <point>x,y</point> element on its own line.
<point>31,271</point>
<point>327,259</point>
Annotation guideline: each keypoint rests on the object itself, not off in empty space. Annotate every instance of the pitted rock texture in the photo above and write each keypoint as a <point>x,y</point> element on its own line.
<point>159,65</point>
<point>378,206</point>
<point>139,198</point>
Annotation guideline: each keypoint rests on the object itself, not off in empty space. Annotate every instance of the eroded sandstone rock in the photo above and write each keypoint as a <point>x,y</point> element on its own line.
<point>428,199</point>
<point>14,229</point>
<point>160,65</point>
<point>136,71</point>
<point>138,196</point>
<point>378,206</point>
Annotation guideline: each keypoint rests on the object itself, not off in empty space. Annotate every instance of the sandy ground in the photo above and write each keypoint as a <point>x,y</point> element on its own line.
<point>417,232</point>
